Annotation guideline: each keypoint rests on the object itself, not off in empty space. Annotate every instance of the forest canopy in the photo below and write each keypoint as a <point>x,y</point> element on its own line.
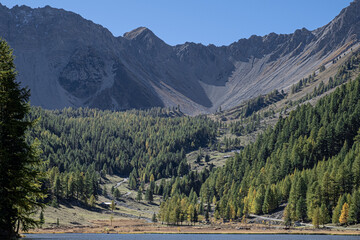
<point>81,145</point>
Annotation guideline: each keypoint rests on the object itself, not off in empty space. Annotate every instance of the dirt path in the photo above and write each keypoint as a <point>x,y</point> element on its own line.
<point>119,183</point>
<point>125,205</point>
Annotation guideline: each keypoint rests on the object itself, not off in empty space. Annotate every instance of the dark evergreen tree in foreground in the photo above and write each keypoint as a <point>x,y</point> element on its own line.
<point>19,184</point>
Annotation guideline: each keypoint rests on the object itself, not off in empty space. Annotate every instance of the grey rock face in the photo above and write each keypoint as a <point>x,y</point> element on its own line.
<point>69,61</point>
<point>83,74</point>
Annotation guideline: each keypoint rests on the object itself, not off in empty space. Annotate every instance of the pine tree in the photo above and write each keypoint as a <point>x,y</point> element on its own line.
<point>201,207</point>
<point>139,195</point>
<point>105,193</point>
<point>149,195</point>
<point>71,187</point>
<point>287,216</point>
<point>57,186</point>
<point>196,215</point>
<point>19,173</point>
<point>133,176</point>
<point>301,209</point>
<point>41,219</point>
<point>266,208</point>
<point>257,203</point>
<point>117,194</point>
<point>154,219</point>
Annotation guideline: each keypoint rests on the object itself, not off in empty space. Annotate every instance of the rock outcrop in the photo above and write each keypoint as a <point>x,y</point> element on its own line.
<point>69,61</point>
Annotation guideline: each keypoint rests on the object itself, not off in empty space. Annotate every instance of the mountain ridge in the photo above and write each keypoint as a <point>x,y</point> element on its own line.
<point>67,60</point>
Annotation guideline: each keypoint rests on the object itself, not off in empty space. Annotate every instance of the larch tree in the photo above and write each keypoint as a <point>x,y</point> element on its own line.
<point>324,215</point>
<point>20,188</point>
<point>92,201</point>
<point>316,218</point>
<point>344,214</point>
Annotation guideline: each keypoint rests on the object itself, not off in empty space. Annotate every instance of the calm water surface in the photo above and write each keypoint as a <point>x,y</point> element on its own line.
<point>86,236</point>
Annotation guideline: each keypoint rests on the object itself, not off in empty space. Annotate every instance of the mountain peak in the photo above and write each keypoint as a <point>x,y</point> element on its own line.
<point>140,70</point>
<point>145,38</point>
<point>345,27</point>
<point>352,10</point>
<point>140,31</point>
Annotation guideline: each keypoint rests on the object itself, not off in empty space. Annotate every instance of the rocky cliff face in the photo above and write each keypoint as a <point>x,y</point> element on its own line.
<point>69,61</point>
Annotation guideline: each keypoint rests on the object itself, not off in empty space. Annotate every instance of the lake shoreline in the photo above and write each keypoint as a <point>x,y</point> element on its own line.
<point>137,226</point>
<point>200,233</point>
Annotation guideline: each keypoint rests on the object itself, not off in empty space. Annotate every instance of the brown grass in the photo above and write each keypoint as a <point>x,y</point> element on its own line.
<point>141,226</point>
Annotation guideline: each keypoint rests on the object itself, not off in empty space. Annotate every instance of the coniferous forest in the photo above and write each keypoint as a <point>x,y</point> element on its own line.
<point>308,163</point>
<point>309,160</point>
<point>109,127</point>
<point>79,146</point>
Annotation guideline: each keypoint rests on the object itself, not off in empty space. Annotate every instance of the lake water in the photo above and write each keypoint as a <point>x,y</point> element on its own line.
<point>86,236</point>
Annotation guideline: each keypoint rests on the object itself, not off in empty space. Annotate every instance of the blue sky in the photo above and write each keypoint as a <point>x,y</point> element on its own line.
<point>219,22</point>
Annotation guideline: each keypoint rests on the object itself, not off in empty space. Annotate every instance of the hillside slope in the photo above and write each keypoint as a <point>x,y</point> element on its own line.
<point>309,161</point>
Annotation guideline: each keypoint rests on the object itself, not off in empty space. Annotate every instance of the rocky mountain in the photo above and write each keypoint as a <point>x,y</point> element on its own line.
<point>69,61</point>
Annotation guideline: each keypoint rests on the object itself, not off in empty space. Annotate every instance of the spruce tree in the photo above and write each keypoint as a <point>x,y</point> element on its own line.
<point>19,173</point>
<point>149,195</point>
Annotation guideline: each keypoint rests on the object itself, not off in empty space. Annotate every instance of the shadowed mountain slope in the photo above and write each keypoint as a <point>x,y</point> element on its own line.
<point>69,61</point>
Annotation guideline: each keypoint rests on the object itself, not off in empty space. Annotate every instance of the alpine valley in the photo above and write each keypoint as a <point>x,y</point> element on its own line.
<point>135,135</point>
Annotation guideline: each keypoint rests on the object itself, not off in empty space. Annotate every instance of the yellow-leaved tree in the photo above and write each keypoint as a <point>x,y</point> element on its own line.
<point>344,216</point>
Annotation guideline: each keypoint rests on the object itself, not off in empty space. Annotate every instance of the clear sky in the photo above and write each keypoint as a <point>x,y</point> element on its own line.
<point>219,22</point>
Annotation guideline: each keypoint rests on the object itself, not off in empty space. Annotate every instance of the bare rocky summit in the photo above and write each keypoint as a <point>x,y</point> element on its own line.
<point>69,61</point>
